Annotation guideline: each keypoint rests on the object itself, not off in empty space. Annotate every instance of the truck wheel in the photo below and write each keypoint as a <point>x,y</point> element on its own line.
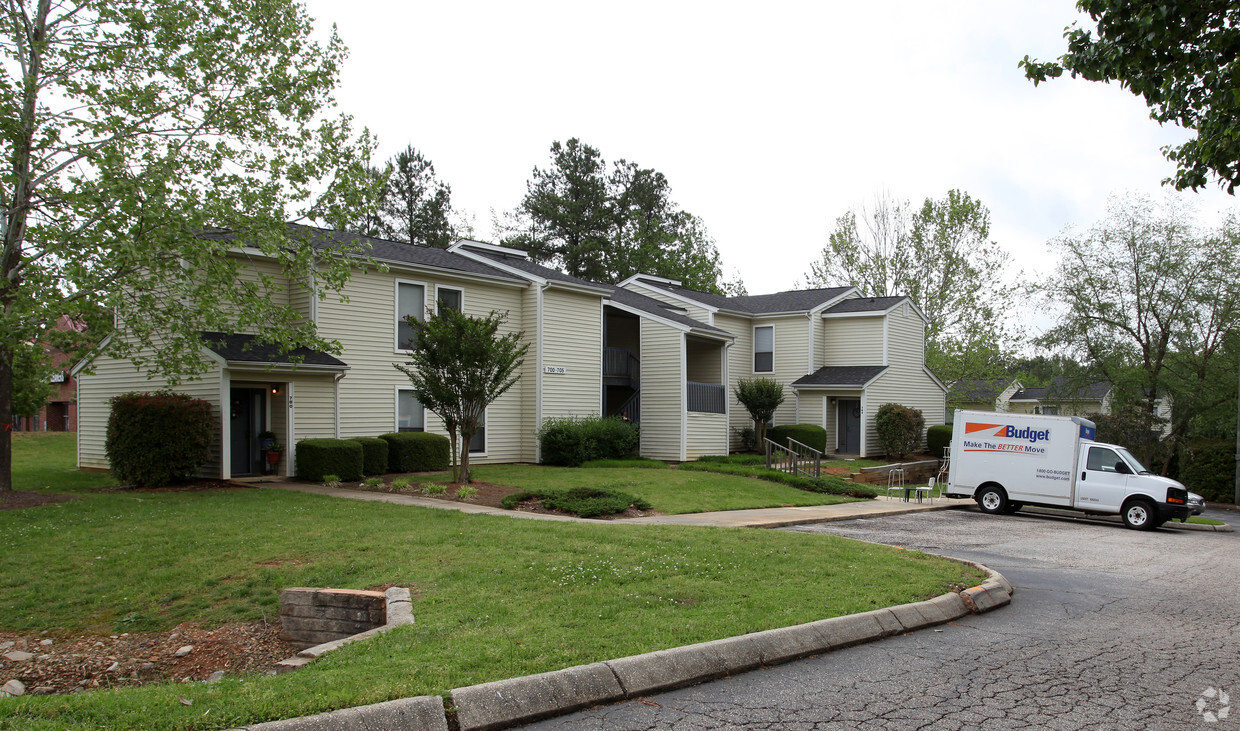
<point>1141,515</point>
<point>992,499</point>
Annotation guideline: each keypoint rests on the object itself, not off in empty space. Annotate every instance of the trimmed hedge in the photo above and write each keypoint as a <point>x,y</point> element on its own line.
<point>572,441</point>
<point>417,451</point>
<point>938,437</point>
<point>1209,469</point>
<point>318,458</point>
<point>155,438</point>
<point>810,435</point>
<point>374,455</point>
<point>900,429</point>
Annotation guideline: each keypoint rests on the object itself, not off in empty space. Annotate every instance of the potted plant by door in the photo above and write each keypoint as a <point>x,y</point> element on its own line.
<point>265,440</point>
<point>273,453</point>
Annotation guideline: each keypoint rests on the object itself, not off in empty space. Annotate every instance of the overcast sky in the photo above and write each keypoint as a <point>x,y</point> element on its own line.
<point>769,120</point>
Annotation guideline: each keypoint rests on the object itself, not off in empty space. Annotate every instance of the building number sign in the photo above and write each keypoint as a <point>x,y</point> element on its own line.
<point>558,370</point>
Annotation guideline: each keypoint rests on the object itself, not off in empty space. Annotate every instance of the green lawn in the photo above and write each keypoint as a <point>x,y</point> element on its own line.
<point>669,491</point>
<point>1204,521</point>
<point>494,597</point>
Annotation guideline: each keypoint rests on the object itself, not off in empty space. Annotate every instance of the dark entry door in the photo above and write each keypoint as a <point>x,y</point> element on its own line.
<point>849,421</point>
<point>249,417</point>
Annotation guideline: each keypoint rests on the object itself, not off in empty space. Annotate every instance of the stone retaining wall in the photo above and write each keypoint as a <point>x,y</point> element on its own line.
<point>310,617</point>
<point>914,472</point>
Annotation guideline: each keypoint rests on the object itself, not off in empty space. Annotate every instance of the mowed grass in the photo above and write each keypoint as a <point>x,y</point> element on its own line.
<point>494,597</point>
<point>47,462</point>
<point>669,491</point>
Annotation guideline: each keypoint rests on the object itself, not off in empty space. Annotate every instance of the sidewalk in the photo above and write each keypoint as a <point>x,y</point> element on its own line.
<point>759,518</point>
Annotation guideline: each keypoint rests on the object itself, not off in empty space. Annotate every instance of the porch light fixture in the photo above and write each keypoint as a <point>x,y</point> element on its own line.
<point>275,390</point>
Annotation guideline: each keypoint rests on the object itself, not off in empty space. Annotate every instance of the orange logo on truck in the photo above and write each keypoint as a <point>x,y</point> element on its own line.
<point>970,427</point>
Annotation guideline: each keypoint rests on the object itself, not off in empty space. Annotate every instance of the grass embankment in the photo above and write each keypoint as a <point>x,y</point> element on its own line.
<point>494,597</point>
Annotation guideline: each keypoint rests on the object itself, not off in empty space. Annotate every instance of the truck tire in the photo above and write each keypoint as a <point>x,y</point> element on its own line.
<point>992,499</point>
<point>1140,515</point>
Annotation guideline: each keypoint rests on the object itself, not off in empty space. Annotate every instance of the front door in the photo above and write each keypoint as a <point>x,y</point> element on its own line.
<point>849,421</point>
<point>248,418</point>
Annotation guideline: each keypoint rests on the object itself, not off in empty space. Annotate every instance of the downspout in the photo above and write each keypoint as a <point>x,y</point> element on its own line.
<point>336,388</point>
<point>538,375</point>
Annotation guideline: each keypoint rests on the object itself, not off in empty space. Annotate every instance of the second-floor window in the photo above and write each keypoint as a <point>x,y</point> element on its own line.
<point>410,302</point>
<point>764,349</point>
<point>447,298</point>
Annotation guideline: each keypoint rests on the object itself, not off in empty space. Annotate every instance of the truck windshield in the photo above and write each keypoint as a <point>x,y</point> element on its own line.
<point>1137,468</point>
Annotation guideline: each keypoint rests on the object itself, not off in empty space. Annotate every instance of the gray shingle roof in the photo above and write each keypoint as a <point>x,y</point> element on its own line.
<point>794,300</point>
<point>655,307</point>
<point>245,348</point>
<point>530,267</point>
<point>855,376</point>
<point>1063,389</point>
<point>978,389</point>
<point>866,304</point>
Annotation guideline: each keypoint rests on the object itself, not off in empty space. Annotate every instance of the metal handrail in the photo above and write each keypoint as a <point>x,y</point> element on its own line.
<point>792,460</point>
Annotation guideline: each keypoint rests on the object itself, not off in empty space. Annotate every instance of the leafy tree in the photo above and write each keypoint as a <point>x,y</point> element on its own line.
<point>1150,302</point>
<point>32,379</point>
<point>143,139</point>
<point>416,206</point>
<point>941,257</point>
<point>458,366</point>
<point>607,227</point>
<point>1181,56</point>
<point>760,397</point>
<point>365,220</point>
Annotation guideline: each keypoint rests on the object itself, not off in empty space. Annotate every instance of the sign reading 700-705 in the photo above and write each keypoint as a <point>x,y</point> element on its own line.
<point>559,370</point>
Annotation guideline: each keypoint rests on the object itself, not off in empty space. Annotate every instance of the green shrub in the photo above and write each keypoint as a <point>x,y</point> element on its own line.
<point>828,484</point>
<point>435,488</point>
<point>938,438</point>
<point>747,437</point>
<point>155,438</point>
<point>374,455</point>
<point>572,441</point>
<point>899,429</point>
<point>331,480</point>
<point>585,502</point>
<point>1209,469</point>
<point>638,462</point>
<point>735,458</point>
<point>373,482</point>
<point>317,458</point>
<point>417,451</point>
<point>400,483</point>
<point>466,492</point>
<point>810,435</point>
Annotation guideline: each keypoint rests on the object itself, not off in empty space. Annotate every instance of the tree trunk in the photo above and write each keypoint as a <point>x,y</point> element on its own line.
<point>6,419</point>
<point>467,436</point>
<point>453,461</point>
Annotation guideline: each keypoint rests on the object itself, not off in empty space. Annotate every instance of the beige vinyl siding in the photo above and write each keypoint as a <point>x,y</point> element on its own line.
<point>705,434</point>
<point>113,377</point>
<point>267,275</point>
<point>809,410</point>
<point>572,339</point>
<point>662,381</point>
<point>529,386</point>
<point>853,341</point>
<point>791,361</point>
<point>740,365</point>
<point>905,381</point>
<point>301,297</point>
<point>314,408</point>
<point>821,327</point>
<point>365,326</point>
<point>691,310</point>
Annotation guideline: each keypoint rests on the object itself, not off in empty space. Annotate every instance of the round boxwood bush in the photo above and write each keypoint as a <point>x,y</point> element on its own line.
<point>155,438</point>
<point>811,435</point>
<point>374,455</point>
<point>937,438</point>
<point>900,429</point>
<point>417,451</point>
<point>317,458</point>
<point>571,441</point>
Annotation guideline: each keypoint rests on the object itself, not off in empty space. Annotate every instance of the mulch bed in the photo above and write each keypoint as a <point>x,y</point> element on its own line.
<point>489,495</point>
<point>18,499</point>
<point>74,663</point>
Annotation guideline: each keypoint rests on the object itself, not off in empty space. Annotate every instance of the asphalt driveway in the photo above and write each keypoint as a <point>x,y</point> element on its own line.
<point>1109,628</point>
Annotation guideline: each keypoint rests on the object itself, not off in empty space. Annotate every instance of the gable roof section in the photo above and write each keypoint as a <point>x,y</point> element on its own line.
<point>1062,389</point>
<point>840,377</point>
<point>865,304</point>
<point>793,300</point>
<point>538,271</point>
<point>651,306</point>
<point>246,349</point>
<point>978,389</point>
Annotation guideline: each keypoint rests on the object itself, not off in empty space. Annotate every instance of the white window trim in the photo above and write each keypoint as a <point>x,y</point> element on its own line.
<point>396,404</point>
<point>754,349</point>
<point>486,434</point>
<point>396,310</point>
<point>461,290</point>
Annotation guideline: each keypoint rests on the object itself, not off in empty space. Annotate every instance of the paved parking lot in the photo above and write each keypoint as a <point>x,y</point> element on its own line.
<point>1109,628</point>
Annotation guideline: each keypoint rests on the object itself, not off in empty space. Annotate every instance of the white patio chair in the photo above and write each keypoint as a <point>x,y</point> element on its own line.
<point>927,492</point>
<point>895,482</point>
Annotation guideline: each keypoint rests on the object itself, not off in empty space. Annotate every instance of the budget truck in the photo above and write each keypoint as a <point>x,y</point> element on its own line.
<point>1007,461</point>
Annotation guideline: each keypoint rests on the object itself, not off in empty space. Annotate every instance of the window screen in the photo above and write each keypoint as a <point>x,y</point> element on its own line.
<point>409,412</point>
<point>764,349</point>
<point>410,301</point>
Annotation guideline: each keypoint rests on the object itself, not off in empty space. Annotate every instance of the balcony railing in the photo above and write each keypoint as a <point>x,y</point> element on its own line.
<point>707,398</point>
<point>621,363</point>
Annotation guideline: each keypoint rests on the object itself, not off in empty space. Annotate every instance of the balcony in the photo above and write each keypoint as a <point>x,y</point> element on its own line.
<point>621,368</point>
<point>706,398</point>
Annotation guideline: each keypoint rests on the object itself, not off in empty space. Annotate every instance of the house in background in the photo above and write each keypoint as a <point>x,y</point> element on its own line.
<point>60,411</point>
<point>982,394</point>
<point>648,350</point>
<point>1062,397</point>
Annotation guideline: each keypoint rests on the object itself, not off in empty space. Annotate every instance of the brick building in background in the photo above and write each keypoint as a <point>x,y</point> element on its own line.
<point>60,413</point>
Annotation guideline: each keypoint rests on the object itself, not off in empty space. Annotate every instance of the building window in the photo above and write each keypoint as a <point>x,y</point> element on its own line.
<point>410,302</point>
<point>478,445</point>
<point>410,416</point>
<point>764,349</point>
<point>448,299</point>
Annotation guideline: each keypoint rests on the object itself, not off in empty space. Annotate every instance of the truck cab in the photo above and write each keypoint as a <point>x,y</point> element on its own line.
<point>1112,480</point>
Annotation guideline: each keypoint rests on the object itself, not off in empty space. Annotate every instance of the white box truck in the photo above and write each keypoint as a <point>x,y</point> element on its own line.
<point>1006,461</point>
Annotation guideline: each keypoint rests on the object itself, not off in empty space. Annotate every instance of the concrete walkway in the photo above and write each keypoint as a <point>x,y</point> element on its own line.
<point>759,518</point>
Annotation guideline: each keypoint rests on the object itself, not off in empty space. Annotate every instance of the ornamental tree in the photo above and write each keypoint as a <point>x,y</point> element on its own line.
<point>142,141</point>
<point>760,397</point>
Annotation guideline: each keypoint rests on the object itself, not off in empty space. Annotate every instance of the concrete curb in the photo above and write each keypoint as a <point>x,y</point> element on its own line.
<point>1116,520</point>
<point>838,518</point>
<point>504,703</point>
<point>399,612</point>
